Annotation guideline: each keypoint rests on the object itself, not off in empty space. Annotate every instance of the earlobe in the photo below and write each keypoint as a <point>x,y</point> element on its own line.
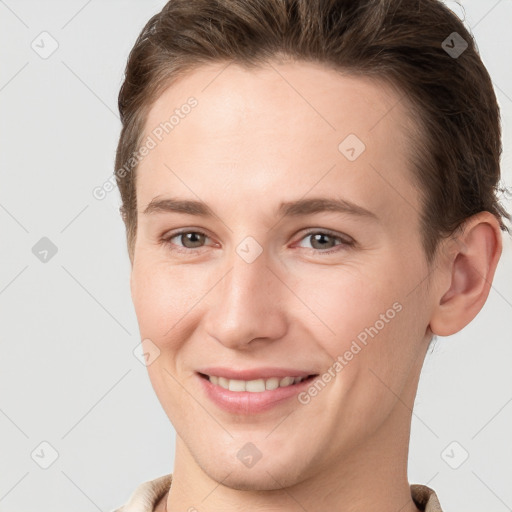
<point>471,267</point>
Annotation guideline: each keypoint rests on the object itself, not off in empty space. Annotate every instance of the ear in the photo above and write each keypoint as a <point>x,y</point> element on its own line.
<point>467,269</point>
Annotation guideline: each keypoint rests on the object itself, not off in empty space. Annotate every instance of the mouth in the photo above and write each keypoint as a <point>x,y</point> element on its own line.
<point>256,385</point>
<point>247,398</point>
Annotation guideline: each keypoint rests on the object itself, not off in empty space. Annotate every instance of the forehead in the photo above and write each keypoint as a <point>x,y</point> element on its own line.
<point>285,128</point>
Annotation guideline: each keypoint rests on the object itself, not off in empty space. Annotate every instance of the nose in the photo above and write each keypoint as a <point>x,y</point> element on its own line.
<point>248,303</point>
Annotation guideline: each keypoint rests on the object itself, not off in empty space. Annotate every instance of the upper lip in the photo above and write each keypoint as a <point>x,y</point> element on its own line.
<point>254,373</point>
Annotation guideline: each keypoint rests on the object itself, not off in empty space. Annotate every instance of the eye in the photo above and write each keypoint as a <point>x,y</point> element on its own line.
<point>190,240</point>
<point>319,244</point>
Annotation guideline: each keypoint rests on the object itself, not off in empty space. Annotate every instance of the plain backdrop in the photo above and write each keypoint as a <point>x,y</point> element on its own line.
<point>73,395</point>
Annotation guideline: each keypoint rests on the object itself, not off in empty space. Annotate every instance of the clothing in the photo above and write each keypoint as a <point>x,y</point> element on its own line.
<point>149,493</point>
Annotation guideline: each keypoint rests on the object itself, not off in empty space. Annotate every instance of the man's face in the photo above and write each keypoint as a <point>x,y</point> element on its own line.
<point>257,286</point>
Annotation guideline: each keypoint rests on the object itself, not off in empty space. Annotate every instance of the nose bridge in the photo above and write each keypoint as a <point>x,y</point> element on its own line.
<point>246,263</point>
<point>247,287</point>
<point>246,302</point>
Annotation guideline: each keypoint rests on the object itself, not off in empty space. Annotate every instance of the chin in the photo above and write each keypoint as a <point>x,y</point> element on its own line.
<point>255,480</point>
<point>267,474</point>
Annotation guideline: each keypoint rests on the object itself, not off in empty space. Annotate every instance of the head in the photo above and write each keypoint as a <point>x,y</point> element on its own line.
<point>256,111</point>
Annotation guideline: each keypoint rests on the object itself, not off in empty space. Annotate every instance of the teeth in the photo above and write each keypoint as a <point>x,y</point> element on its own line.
<point>236,385</point>
<point>254,386</point>
<point>286,381</point>
<point>270,384</point>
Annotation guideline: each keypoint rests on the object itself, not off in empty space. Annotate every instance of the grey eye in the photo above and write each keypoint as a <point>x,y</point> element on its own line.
<point>190,239</point>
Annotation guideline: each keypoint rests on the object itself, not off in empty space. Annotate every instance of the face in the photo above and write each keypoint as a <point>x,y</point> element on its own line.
<point>273,278</point>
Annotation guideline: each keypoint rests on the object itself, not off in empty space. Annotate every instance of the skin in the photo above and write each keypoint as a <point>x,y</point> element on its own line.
<point>256,138</point>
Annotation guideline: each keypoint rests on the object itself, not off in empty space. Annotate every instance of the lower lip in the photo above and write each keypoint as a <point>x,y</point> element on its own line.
<point>246,402</point>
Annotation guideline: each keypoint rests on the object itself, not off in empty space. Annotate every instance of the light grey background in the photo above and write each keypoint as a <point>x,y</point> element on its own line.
<point>68,375</point>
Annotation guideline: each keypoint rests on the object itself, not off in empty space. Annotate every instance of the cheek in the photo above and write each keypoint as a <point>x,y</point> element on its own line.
<point>163,296</point>
<point>346,303</point>
<point>370,324</point>
<point>163,305</point>
<point>153,299</point>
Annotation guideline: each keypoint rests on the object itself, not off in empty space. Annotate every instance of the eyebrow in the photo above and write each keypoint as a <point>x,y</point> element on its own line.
<point>296,208</point>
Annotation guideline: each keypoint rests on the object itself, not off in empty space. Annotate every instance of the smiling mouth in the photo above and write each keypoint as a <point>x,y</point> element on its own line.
<point>256,385</point>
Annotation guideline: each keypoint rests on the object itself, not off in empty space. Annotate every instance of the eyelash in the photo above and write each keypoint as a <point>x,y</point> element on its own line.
<point>345,244</point>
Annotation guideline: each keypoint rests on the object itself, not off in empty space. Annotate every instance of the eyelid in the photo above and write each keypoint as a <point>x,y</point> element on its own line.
<point>324,231</point>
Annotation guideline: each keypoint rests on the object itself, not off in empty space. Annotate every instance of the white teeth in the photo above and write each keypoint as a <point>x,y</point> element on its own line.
<point>254,386</point>
<point>236,385</point>
<point>286,381</point>
<point>223,383</point>
<point>272,383</point>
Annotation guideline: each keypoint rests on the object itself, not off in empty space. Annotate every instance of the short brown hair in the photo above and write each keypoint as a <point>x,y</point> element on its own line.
<point>456,159</point>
